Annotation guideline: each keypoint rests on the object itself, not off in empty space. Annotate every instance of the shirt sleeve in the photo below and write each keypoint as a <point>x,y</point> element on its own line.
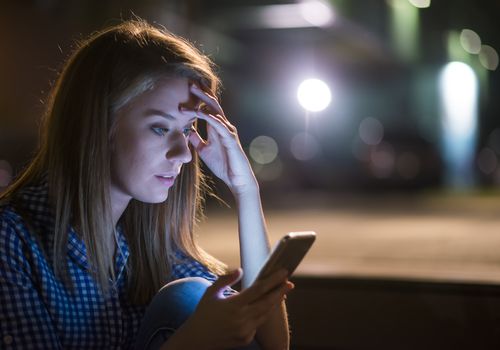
<point>25,321</point>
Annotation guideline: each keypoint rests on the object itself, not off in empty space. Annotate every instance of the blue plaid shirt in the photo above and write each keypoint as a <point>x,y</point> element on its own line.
<point>38,311</point>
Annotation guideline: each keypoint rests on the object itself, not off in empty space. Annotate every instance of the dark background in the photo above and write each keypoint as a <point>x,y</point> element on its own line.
<point>261,68</point>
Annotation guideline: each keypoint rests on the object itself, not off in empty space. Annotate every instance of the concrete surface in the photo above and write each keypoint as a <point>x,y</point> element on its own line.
<point>449,237</point>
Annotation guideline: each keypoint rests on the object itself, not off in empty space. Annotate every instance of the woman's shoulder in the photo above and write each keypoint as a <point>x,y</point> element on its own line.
<point>13,230</point>
<point>25,210</point>
<point>187,266</point>
<point>10,218</point>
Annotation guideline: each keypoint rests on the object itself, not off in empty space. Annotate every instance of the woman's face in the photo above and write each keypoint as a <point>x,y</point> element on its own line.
<point>150,143</point>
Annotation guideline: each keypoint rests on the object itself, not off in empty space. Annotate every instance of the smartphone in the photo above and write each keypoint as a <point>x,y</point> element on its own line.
<point>287,253</point>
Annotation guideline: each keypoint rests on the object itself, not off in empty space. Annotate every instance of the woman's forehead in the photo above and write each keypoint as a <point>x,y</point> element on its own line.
<point>175,91</point>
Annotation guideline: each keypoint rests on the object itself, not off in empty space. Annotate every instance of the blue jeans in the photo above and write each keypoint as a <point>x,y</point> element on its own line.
<point>169,309</point>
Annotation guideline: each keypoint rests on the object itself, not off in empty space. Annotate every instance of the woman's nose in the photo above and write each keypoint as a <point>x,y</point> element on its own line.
<point>178,149</point>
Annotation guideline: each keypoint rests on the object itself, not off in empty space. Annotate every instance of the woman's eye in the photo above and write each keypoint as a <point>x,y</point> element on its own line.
<point>188,131</point>
<point>159,130</point>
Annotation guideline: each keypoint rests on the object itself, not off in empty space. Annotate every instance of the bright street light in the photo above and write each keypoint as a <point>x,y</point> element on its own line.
<point>314,95</point>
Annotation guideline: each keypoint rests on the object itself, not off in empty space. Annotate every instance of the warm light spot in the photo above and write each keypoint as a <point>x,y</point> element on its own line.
<point>314,95</point>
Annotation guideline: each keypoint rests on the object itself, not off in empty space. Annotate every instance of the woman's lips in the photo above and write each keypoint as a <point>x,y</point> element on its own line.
<point>166,180</point>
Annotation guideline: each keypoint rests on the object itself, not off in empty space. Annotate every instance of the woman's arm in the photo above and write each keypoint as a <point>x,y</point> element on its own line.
<point>25,321</point>
<point>254,249</point>
<point>223,154</point>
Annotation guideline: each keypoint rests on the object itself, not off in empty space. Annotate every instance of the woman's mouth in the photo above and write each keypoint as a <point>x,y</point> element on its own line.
<point>166,180</point>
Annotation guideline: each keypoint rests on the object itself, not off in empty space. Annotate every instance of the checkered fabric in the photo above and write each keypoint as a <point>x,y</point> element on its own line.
<point>37,310</point>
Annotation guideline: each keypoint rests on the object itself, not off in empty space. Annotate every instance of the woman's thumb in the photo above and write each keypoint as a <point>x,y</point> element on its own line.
<point>224,281</point>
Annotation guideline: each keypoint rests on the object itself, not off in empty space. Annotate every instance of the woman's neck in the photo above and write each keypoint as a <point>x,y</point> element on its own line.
<point>119,203</point>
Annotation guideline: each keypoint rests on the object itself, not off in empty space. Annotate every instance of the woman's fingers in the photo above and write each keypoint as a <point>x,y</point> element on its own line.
<point>260,309</point>
<point>196,140</point>
<point>209,100</point>
<point>220,123</point>
<point>223,127</point>
<point>223,282</point>
<point>262,287</point>
<point>275,295</point>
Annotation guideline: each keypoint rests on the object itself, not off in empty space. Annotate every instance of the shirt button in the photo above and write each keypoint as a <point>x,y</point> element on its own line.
<point>7,339</point>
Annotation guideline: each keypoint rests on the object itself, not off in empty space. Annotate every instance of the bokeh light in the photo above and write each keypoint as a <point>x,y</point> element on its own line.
<point>316,12</point>
<point>304,146</point>
<point>360,150</point>
<point>263,149</point>
<point>270,171</point>
<point>459,89</point>
<point>488,57</point>
<point>470,40</point>
<point>459,99</point>
<point>371,131</point>
<point>314,95</point>
<point>382,160</point>
<point>420,3</point>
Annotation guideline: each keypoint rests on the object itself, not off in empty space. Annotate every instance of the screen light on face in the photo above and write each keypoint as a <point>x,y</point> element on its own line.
<point>314,95</point>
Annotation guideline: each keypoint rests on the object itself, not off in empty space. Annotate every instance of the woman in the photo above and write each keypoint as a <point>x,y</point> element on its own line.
<point>103,216</point>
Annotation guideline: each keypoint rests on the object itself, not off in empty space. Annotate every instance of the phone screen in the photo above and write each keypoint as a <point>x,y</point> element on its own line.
<point>288,253</point>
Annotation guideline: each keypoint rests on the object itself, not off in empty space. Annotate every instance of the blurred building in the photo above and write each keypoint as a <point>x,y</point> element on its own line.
<point>383,129</point>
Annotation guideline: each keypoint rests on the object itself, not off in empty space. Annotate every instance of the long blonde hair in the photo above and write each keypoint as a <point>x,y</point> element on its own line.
<point>102,75</point>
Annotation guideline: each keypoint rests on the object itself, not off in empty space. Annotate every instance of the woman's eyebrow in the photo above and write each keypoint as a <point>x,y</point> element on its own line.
<point>156,112</point>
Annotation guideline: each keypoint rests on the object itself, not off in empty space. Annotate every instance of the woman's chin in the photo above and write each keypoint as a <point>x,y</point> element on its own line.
<point>154,198</point>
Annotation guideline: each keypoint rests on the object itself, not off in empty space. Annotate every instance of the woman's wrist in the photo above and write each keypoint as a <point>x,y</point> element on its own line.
<point>244,191</point>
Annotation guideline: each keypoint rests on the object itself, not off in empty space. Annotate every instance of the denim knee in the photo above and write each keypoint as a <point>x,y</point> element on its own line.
<point>181,297</point>
<point>169,309</point>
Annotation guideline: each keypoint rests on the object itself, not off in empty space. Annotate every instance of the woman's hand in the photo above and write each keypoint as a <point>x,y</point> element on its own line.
<point>222,323</point>
<point>222,151</point>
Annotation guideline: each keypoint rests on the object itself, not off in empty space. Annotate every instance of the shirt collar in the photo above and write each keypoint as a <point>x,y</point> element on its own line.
<point>78,252</point>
